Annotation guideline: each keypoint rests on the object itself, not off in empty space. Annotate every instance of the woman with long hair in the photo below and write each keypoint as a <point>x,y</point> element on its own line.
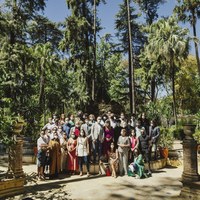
<point>113,159</point>
<point>109,134</point>
<point>82,151</point>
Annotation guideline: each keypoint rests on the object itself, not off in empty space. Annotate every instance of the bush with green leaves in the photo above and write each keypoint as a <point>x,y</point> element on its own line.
<point>177,132</point>
<point>6,129</point>
<point>196,136</point>
<point>166,138</point>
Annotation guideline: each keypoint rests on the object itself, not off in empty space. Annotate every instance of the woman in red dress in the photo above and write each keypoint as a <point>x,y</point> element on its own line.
<point>109,134</point>
<point>72,161</point>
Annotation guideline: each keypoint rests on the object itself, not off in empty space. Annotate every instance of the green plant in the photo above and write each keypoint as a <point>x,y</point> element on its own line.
<point>166,138</point>
<point>177,132</point>
<point>9,126</point>
<point>188,120</point>
<point>198,119</point>
<point>196,136</point>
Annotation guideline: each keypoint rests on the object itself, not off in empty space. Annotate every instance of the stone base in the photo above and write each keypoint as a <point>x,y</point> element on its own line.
<point>11,187</point>
<point>29,159</point>
<point>174,162</point>
<point>189,177</point>
<point>157,164</point>
<point>94,169</point>
<point>190,191</point>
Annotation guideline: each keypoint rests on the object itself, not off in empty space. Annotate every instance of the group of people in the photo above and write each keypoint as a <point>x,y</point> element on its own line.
<point>66,143</point>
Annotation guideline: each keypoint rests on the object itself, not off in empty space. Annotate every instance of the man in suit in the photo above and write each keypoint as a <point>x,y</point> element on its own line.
<point>97,134</point>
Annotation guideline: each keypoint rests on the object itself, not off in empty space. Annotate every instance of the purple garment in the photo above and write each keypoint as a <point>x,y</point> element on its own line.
<point>109,134</point>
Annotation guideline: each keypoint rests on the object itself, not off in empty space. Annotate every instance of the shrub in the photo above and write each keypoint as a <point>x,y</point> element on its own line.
<point>196,136</point>
<point>177,132</point>
<point>166,138</point>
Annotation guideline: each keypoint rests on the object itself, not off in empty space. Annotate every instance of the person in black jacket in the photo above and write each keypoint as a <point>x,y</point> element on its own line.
<point>144,122</point>
<point>154,133</point>
<point>144,147</point>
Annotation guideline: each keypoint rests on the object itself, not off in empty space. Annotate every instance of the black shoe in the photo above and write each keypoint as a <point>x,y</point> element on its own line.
<point>149,173</point>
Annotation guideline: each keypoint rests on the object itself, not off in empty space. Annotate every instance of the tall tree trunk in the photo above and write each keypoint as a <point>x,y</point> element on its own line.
<point>94,60</point>
<point>195,44</point>
<point>153,81</point>
<point>173,89</point>
<point>153,89</point>
<point>87,73</point>
<point>41,93</point>
<point>131,67</point>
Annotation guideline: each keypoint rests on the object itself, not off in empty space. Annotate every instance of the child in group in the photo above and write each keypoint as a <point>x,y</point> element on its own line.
<point>123,148</point>
<point>113,159</point>
<point>82,151</point>
<point>134,143</point>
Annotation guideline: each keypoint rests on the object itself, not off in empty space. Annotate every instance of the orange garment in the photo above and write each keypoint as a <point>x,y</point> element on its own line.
<point>72,161</point>
<point>55,156</point>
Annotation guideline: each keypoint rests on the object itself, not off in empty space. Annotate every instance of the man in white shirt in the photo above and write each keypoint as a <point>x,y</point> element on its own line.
<point>42,145</point>
<point>50,125</point>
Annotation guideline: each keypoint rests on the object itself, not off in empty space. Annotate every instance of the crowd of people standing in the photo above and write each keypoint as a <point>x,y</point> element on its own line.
<point>67,142</point>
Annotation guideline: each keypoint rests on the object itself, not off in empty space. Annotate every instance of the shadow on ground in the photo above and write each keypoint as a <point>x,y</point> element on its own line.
<point>168,190</point>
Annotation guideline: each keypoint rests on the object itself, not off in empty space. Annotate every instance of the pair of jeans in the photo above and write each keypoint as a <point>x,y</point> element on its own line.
<point>81,160</point>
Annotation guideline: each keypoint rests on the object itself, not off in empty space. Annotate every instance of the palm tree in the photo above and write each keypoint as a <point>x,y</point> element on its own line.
<point>168,46</point>
<point>150,11</point>
<point>189,11</point>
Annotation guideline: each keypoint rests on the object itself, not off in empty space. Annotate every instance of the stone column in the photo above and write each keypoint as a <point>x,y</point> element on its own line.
<point>18,170</point>
<point>190,163</point>
<point>15,160</point>
<point>15,152</point>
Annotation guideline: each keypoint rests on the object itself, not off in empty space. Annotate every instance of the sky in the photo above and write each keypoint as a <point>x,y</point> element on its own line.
<point>56,10</point>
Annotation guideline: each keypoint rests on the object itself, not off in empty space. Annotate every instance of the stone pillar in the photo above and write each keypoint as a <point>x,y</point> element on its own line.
<point>15,160</point>
<point>190,176</point>
<point>15,152</point>
<point>190,163</point>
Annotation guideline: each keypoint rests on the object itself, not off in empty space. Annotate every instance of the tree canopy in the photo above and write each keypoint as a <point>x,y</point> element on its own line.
<point>48,67</point>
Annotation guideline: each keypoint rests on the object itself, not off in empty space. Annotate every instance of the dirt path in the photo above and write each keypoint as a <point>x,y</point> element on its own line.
<point>164,184</point>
